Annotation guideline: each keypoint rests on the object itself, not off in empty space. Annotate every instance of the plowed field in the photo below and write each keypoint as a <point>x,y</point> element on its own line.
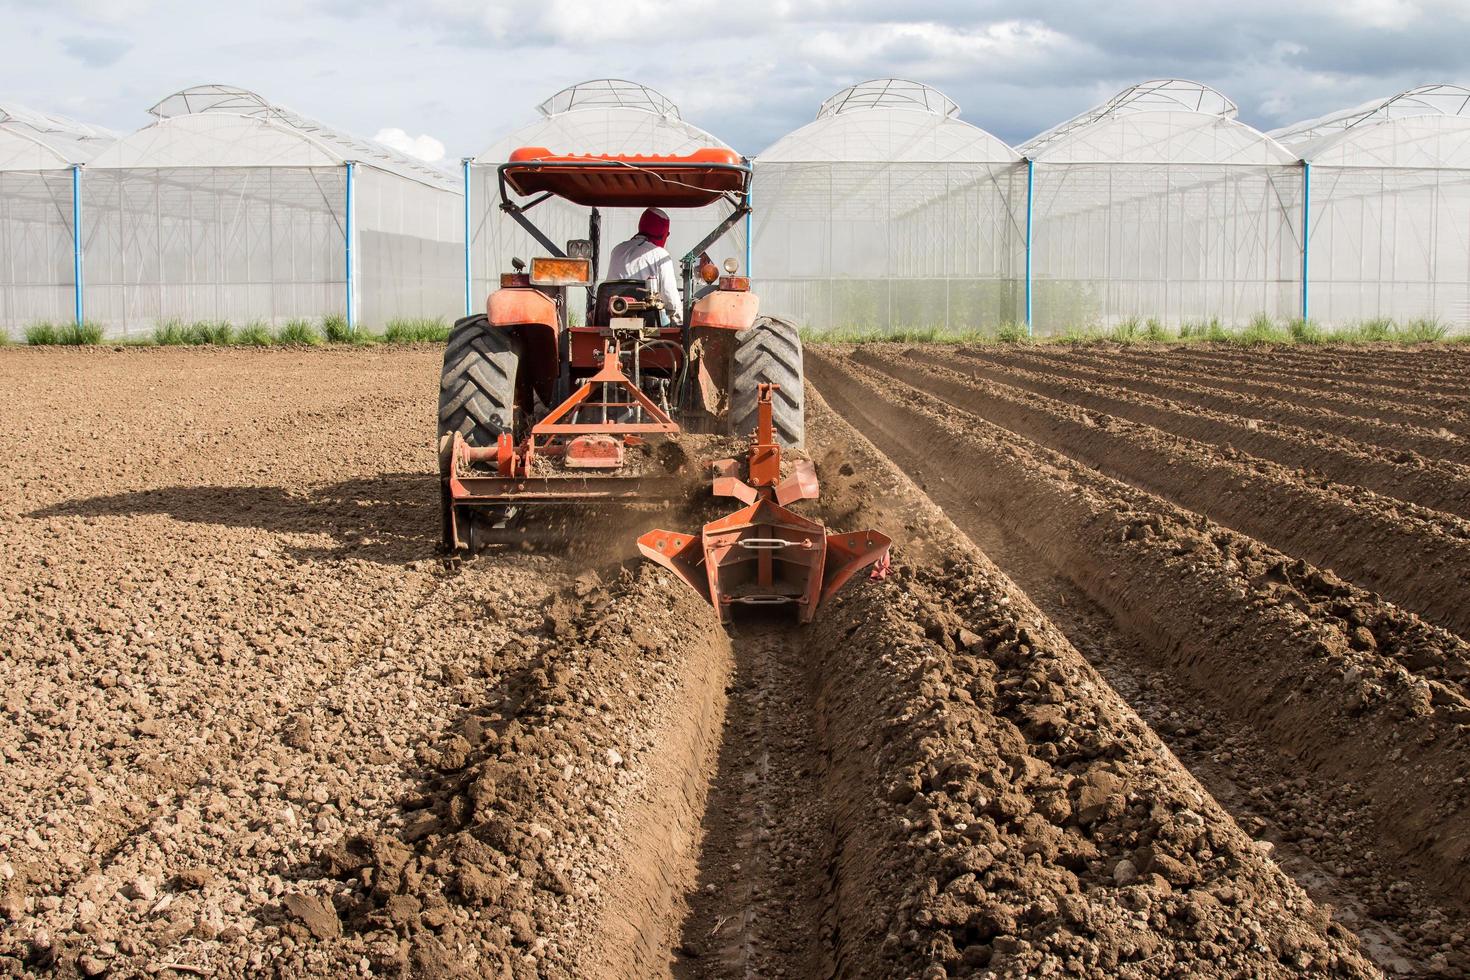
<point>1168,679</point>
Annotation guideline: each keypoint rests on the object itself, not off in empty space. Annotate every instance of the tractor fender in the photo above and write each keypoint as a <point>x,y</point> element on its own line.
<point>725,309</point>
<point>531,315</point>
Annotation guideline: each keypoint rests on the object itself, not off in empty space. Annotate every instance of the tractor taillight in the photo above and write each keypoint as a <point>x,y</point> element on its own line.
<point>735,284</point>
<point>511,279</point>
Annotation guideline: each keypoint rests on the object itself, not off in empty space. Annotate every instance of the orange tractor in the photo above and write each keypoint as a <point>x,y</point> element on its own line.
<point>535,410</point>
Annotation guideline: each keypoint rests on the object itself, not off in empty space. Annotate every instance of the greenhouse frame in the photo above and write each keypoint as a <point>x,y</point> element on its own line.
<point>229,207</point>
<point>1389,208</point>
<point>41,157</point>
<point>601,116</point>
<point>887,212</point>
<point>1161,204</point>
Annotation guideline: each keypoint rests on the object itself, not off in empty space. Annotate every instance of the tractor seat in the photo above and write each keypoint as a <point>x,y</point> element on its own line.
<point>632,288</point>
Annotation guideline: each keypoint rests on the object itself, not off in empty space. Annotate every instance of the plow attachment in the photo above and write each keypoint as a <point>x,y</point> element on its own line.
<point>572,456</point>
<point>764,554</point>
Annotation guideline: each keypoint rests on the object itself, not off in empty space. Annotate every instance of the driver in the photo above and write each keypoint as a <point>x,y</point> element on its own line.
<point>644,257</point>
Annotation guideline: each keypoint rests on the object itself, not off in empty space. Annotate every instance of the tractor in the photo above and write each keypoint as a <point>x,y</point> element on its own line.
<point>537,410</point>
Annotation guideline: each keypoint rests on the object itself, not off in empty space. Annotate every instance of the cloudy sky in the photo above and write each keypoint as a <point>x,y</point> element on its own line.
<point>453,75</point>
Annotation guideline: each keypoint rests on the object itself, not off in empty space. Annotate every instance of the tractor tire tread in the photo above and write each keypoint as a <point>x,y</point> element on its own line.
<point>477,387</point>
<point>770,351</point>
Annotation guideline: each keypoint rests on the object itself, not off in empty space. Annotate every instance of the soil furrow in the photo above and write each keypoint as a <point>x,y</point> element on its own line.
<point>995,805</point>
<point>1437,363</point>
<point>1328,851</point>
<point>1346,382</point>
<point>1412,557</point>
<point>1391,438</point>
<point>1435,484</point>
<point>1282,360</point>
<point>763,905</point>
<point>1377,410</point>
<point>1326,669</point>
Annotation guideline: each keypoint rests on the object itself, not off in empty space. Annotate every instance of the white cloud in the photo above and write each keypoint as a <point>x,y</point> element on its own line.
<point>423,146</point>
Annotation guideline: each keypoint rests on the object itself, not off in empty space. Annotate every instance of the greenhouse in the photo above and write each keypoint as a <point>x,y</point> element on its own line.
<point>229,207</point>
<point>889,212</point>
<point>40,160</point>
<point>603,116</point>
<point>1389,215</point>
<point>1160,204</point>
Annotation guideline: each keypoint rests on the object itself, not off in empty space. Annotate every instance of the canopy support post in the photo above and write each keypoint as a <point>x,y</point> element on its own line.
<point>465,164</point>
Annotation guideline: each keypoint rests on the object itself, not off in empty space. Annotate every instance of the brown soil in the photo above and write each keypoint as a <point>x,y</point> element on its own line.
<point>1184,604</point>
<point>253,726</point>
<point>1434,442</point>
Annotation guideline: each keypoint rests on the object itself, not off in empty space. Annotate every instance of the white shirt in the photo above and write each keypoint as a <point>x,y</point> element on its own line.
<point>638,258</point>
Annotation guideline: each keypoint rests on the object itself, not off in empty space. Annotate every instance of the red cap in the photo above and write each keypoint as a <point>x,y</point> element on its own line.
<point>654,226</point>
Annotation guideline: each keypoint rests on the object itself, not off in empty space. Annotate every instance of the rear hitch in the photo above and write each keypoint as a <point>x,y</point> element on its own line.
<point>765,554</point>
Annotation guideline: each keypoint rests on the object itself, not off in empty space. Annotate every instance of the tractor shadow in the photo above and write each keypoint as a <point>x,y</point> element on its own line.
<point>391,519</point>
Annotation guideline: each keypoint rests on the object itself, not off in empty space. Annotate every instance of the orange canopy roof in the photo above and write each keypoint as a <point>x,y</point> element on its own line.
<point>689,180</point>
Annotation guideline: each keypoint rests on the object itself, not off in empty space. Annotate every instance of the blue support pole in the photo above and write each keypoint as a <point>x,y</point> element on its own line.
<point>350,232</point>
<point>1306,235</point>
<point>76,239</point>
<point>1030,183</point>
<point>749,199</point>
<point>465,165</point>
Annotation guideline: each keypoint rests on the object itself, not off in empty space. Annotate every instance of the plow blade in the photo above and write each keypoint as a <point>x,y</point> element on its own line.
<point>764,554</point>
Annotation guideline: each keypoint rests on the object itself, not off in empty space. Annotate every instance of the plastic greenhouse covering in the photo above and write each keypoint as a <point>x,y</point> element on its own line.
<point>1160,204</point>
<point>1389,215</point>
<point>231,208</point>
<point>38,255</point>
<point>603,116</point>
<point>886,212</point>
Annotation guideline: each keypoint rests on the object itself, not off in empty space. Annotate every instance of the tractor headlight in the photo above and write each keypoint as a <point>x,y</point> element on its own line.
<point>731,267</point>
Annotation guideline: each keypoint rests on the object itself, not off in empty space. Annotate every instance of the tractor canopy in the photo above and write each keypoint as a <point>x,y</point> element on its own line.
<point>691,180</point>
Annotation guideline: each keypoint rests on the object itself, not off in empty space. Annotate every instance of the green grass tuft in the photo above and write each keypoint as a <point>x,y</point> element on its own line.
<point>1013,333</point>
<point>71,334</point>
<point>256,333</point>
<point>1424,330</point>
<point>41,333</point>
<point>1262,330</point>
<point>1155,332</point>
<point>210,332</point>
<point>1126,331</point>
<point>414,330</point>
<point>298,332</point>
<point>170,333</point>
<point>1306,332</point>
<point>336,330</point>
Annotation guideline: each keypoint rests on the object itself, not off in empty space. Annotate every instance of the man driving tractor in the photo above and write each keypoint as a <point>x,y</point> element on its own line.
<point>644,257</point>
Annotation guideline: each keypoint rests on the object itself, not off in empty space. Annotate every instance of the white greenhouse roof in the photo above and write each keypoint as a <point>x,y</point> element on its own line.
<point>888,121</point>
<point>1424,100</point>
<point>31,140</point>
<point>217,139</point>
<point>204,100</point>
<point>889,93</point>
<point>608,93</point>
<point>1166,137</point>
<point>604,116</point>
<point>1427,142</point>
<point>1154,95</point>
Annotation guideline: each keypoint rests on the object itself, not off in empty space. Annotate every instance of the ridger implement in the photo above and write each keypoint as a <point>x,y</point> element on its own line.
<point>536,410</point>
<point>763,554</point>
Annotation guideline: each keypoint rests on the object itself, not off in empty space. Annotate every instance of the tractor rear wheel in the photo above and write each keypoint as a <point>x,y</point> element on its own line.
<point>477,389</point>
<point>770,351</point>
